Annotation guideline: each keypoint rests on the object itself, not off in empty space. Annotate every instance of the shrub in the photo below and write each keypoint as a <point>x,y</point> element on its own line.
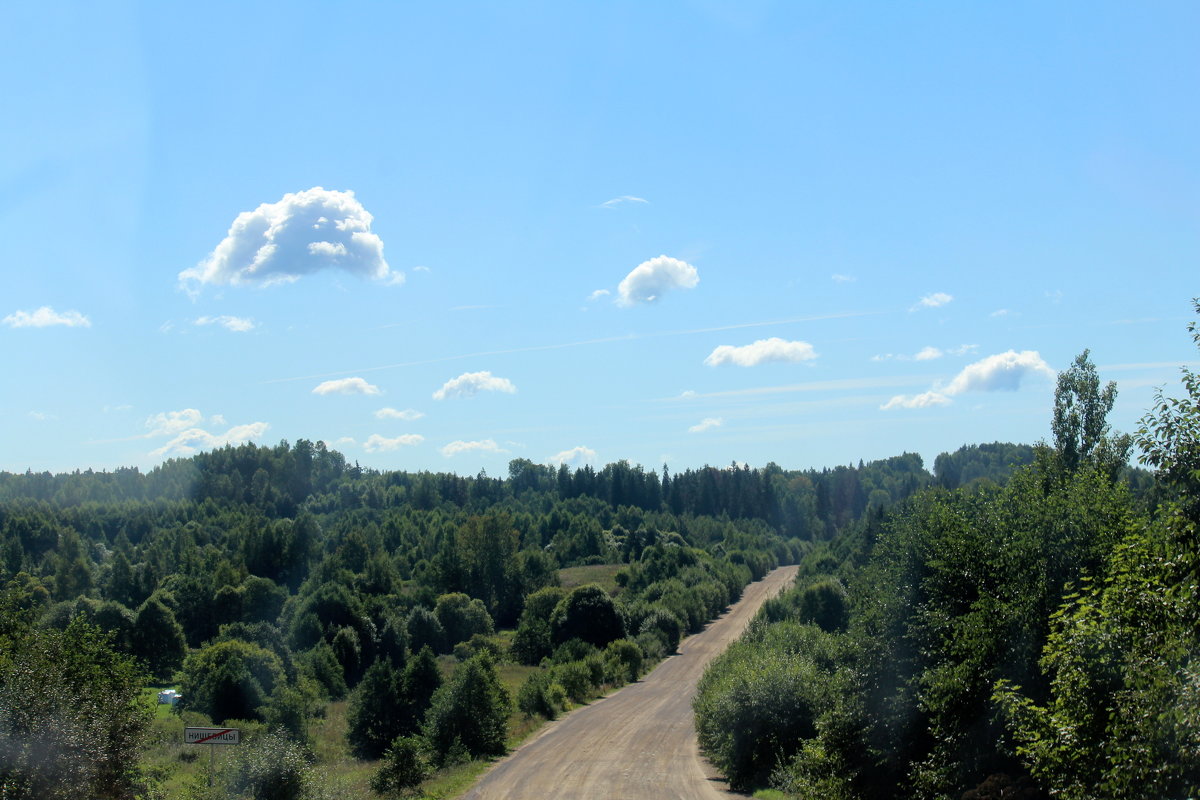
<point>586,613</point>
<point>229,680</point>
<point>666,626</point>
<point>269,767</point>
<point>624,660</point>
<point>534,696</point>
<point>471,710</point>
<point>403,768</point>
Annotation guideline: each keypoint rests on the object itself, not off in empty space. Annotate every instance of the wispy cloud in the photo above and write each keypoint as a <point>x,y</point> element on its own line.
<point>1002,372</point>
<point>647,282</point>
<point>928,354</point>
<point>380,444</point>
<point>596,295</point>
<point>235,324</point>
<point>408,414</point>
<point>761,352</point>
<point>837,277</point>
<point>346,386</point>
<point>625,198</point>
<point>303,233</point>
<point>483,446</point>
<point>706,424</point>
<point>46,317</point>
<point>471,383</point>
<point>841,384</point>
<point>42,416</point>
<point>934,300</point>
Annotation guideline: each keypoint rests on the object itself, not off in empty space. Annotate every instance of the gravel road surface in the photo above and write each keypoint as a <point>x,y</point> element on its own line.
<point>638,743</point>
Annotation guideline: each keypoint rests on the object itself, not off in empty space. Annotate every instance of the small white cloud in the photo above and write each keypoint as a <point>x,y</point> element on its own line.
<point>687,394</point>
<point>408,414</point>
<point>1000,312</point>
<point>168,422</point>
<point>235,324</point>
<point>347,386</point>
<point>193,440</point>
<point>1002,372</point>
<point>42,416</point>
<point>596,295</point>
<point>1054,296</point>
<point>924,400</point>
<point>928,354</point>
<point>575,457</point>
<point>625,198</point>
<point>964,349</point>
<point>344,440</point>
<point>933,300</point>
<point>648,280</point>
<point>706,424</point>
<point>421,269</point>
<point>839,278</point>
<point>302,233</point>
<point>883,357</point>
<point>379,444</point>
<point>761,352</point>
<point>470,383</point>
<point>484,446</point>
<point>45,317</point>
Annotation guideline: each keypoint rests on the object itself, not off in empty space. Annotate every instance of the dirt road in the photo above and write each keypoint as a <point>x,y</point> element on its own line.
<point>636,744</point>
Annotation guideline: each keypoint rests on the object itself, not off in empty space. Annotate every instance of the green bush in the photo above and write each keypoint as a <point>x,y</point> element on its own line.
<point>269,767</point>
<point>623,661</point>
<point>403,768</point>
<point>470,710</point>
<point>230,679</point>
<point>535,696</point>
<point>665,626</point>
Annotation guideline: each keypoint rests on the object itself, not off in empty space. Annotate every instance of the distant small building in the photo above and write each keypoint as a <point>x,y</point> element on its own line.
<point>169,697</point>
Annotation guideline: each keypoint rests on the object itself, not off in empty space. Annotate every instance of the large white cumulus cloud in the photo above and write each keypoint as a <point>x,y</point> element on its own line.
<point>648,280</point>
<point>1002,372</point>
<point>303,233</point>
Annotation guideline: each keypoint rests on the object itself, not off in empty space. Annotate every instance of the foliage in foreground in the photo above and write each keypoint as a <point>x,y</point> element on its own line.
<point>72,720</point>
<point>1028,640</point>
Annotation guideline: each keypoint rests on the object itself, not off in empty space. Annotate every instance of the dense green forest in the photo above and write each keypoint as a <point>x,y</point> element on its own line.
<point>1031,637</point>
<point>268,582</point>
<point>948,627</point>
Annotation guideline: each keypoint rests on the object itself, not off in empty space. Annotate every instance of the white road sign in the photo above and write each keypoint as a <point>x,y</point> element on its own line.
<point>210,735</point>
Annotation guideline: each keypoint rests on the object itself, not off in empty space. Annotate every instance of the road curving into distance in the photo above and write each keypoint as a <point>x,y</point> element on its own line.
<point>638,743</point>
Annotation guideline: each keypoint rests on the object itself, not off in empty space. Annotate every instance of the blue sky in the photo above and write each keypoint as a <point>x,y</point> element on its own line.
<point>442,236</point>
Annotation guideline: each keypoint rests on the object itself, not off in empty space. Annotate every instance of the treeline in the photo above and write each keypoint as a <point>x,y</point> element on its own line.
<point>1033,639</point>
<point>269,581</point>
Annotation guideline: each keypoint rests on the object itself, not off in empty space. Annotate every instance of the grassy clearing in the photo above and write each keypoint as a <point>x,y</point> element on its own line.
<point>179,766</point>
<point>603,575</point>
